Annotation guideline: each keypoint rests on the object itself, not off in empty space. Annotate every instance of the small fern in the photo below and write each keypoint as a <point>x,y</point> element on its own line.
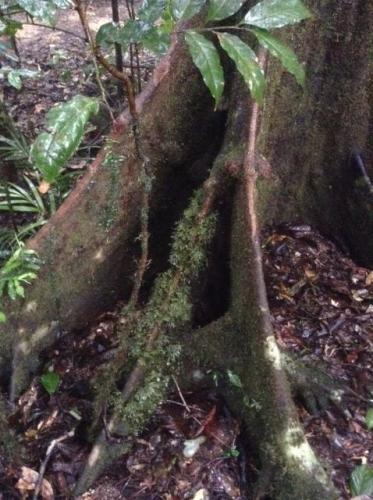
<point>17,272</point>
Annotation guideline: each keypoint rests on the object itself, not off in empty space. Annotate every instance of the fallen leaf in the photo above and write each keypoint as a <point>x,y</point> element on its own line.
<point>27,482</point>
<point>201,494</point>
<point>191,446</point>
<point>44,187</point>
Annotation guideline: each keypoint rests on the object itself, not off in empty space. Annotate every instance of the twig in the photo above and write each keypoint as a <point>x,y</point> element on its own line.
<point>117,47</point>
<point>55,28</point>
<point>181,394</point>
<point>48,455</point>
<point>83,19</point>
<point>250,176</point>
<point>138,72</point>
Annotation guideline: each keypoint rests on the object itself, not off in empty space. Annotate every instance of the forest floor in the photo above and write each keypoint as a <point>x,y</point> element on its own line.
<point>322,309</point>
<point>321,304</point>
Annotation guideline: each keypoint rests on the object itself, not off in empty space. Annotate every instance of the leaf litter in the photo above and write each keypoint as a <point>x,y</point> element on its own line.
<point>321,306</point>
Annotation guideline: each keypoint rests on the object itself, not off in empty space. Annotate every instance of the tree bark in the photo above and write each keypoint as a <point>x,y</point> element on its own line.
<point>307,136</point>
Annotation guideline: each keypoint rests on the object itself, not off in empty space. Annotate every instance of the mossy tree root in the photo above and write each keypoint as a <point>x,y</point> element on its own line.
<point>153,356</point>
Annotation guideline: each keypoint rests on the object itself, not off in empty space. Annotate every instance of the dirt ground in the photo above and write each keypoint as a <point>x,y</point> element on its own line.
<point>65,67</point>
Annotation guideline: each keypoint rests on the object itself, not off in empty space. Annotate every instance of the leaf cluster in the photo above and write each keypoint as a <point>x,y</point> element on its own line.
<point>156,19</point>
<point>17,272</point>
<point>264,16</point>
<point>43,11</point>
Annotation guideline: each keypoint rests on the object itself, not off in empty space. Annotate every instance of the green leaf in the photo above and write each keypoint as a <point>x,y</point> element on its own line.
<point>185,9</point>
<point>15,76</point>
<point>151,10</point>
<point>369,419</point>
<point>231,453</point>
<point>361,482</point>
<point>245,60</point>
<point>234,379</point>
<point>63,4</point>
<point>280,50</point>
<point>2,317</point>
<point>50,381</point>
<point>44,10</point>
<point>14,79</point>
<point>156,40</point>
<point>221,9</point>
<point>206,58</point>
<point>270,14</point>
<point>107,33</point>
<point>51,151</point>
<point>132,31</point>
<point>9,26</point>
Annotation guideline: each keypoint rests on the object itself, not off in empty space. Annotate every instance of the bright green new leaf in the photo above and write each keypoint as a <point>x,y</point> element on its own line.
<point>185,9</point>
<point>206,58</point>
<point>221,9</point>
<point>2,317</point>
<point>15,75</point>
<point>369,419</point>
<point>51,151</point>
<point>9,26</point>
<point>361,482</point>
<point>245,60</point>
<point>19,270</point>
<point>270,14</point>
<point>234,379</point>
<point>50,381</point>
<point>14,79</point>
<point>278,49</point>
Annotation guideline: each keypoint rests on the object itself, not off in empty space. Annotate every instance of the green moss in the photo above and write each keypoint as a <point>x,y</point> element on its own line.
<point>9,446</point>
<point>169,308</point>
<point>113,163</point>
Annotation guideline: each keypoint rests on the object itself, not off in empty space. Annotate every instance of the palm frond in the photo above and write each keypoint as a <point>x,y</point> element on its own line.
<point>14,148</point>
<point>15,198</point>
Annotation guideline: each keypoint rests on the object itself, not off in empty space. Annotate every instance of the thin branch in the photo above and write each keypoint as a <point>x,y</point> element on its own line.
<point>55,28</point>
<point>48,455</point>
<point>83,19</point>
<point>250,176</point>
<point>117,47</point>
<point>185,404</point>
<point>98,56</point>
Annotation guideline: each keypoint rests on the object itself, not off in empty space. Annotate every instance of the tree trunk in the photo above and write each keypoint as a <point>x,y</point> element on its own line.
<point>305,138</point>
<point>308,136</point>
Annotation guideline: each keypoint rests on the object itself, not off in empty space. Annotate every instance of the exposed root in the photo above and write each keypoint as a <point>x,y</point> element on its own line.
<point>155,357</point>
<point>312,385</point>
